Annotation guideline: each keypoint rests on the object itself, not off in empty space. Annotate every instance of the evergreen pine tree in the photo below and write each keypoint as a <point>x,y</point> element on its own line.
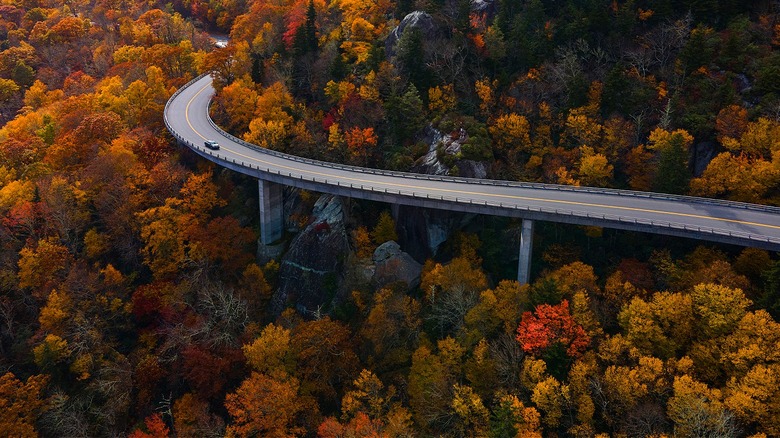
<point>673,175</point>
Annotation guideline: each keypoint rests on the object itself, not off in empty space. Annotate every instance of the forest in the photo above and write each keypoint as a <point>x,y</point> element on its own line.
<point>136,301</point>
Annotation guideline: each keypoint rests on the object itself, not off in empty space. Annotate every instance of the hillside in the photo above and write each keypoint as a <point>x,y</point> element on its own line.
<point>137,302</point>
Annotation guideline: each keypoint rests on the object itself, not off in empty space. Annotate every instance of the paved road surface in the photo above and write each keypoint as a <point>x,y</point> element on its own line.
<point>186,116</point>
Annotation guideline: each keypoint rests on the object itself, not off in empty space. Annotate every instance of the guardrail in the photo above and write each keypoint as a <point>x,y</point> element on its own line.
<point>174,95</point>
<point>633,221</point>
<point>494,182</point>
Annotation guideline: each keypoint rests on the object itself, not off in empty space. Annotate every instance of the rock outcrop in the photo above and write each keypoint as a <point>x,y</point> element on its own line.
<point>417,19</point>
<point>421,231</point>
<point>309,272</point>
<point>441,146</point>
<point>394,265</point>
<point>703,153</point>
<point>487,7</point>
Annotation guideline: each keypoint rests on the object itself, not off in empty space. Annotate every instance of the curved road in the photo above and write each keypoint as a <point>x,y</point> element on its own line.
<point>186,116</point>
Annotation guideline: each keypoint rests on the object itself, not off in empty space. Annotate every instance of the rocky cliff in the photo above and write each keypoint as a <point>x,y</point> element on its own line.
<point>309,274</point>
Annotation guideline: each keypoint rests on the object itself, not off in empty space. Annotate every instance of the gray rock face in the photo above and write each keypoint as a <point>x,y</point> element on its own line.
<point>416,19</point>
<point>703,153</point>
<point>422,231</point>
<point>394,265</point>
<point>294,208</point>
<point>385,251</point>
<point>309,271</point>
<point>483,6</point>
<point>450,145</point>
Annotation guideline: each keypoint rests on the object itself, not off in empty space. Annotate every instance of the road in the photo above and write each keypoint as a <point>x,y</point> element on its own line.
<point>186,116</point>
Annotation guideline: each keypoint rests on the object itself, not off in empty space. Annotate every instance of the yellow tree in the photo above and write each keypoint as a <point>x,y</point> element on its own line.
<point>430,383</point>
<point>498,309</point>
<point>594,169</point>
<point>751,343</point>
<point>441,100</point>
<point>168,231</point>
<point>550,398</point>
<point>473,417</point>
<point>270,352</point>
<point>368,396</point>
<point>582,129</point>
<point>385,229</point>
<point>55,314</point>
<point>738,178</point>
<point>272,123</point>
<point>625,386</point>
<point>697,410</point>
<point>718,309</point>
<point>367,411</point>
<point>38,96</point>
<point>755,398</point>
<point>486,92</point>
<point>759,139</point>
<point>235,106</point>
<point>41,266</point>
<point>511,133</point>
<point>661,327</point>
<point>452,289</point>
<point>391,328</point>
<point>362,21</point>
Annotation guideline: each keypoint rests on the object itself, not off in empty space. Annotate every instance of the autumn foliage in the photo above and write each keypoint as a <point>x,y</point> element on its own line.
<point>134,300</point>
<point>548,325</point>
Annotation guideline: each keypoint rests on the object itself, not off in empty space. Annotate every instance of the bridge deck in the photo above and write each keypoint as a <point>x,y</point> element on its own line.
<point>186,116</point>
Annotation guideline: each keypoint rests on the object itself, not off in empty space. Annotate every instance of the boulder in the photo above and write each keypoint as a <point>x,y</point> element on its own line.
<point>394,265</point>
<point>309,273</point>
<point>417,19</point>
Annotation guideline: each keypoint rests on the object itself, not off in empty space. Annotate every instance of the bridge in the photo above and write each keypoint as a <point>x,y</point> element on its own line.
<point>186,117</point>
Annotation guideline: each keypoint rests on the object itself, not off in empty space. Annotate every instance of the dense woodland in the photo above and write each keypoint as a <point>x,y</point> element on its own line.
<point>123,312</point>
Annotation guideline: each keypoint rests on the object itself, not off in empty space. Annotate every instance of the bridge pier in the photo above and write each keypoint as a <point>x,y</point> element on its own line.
<point>271,217</point>
<point>526,246</point>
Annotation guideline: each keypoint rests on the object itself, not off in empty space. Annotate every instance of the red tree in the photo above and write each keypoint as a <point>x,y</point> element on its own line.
<point>549,325</point>
<point>156,428</point>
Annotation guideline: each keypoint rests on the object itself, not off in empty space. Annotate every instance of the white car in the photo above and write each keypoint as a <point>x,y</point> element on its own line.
<point>211,144</point>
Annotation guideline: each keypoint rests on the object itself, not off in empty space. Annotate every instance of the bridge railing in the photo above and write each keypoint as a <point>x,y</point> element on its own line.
<point>610,218</point>
<point>171,99</point>
<point>493,182</point>
<point>490,182</point>
<point>629,220</point>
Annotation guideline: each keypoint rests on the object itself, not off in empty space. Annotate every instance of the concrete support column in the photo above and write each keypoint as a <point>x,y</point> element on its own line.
<point>526,245</point>
<point>271,204</point>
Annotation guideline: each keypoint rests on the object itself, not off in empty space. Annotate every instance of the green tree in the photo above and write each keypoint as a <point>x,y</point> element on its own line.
<point>406,114</point>
<point>411,55</point>
<point>672,174</point>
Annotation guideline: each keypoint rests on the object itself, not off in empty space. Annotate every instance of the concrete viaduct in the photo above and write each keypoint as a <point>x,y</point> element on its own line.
<point>186,117</point>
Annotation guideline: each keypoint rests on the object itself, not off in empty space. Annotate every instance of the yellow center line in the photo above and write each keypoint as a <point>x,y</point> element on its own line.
<point>459,192</point>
